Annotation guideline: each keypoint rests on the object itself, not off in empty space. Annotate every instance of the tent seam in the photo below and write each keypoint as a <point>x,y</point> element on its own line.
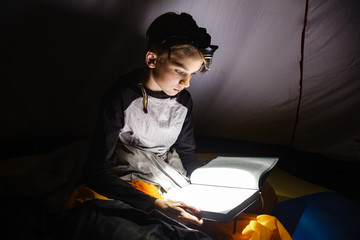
<point>301,65</point>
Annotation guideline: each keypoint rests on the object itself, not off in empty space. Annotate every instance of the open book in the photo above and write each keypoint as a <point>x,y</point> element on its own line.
<point>225,186</point>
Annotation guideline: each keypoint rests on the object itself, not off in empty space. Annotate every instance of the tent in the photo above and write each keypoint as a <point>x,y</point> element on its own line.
<point>286,71</point>
<point>286,74</point>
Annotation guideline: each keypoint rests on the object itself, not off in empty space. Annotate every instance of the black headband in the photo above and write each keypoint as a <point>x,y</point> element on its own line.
<point>199,39</point>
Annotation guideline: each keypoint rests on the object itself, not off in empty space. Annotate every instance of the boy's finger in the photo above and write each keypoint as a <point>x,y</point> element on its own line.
<point>190,217</point>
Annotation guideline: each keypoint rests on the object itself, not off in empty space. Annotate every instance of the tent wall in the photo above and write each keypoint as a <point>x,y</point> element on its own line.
<point>57,58</point>
<point>329,112</point>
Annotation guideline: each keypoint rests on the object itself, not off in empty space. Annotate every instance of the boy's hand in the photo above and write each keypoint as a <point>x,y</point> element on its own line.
<point>179,211</point>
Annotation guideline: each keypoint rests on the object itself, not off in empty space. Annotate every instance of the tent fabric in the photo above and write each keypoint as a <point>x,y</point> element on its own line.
<point>57,58</point>
<point>328,114</point>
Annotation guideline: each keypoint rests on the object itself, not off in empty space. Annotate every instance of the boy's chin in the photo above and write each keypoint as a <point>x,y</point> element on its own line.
<point>171,93</point>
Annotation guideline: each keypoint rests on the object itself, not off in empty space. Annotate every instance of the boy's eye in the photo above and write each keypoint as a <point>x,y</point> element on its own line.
<point>178,72</point>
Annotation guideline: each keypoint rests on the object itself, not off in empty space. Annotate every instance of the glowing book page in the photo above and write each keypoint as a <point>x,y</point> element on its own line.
<point>243,172</point>
<point>212,198</point>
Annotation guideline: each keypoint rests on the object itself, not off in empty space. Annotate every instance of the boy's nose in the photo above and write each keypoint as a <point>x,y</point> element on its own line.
<point>185,82</point>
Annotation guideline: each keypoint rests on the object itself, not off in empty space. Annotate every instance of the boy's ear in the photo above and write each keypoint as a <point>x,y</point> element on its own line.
<point>150,59</point>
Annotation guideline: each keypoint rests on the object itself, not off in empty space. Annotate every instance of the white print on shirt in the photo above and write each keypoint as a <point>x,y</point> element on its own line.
<point>157,130</point>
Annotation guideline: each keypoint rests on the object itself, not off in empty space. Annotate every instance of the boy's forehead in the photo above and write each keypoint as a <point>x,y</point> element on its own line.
<point>190,63</point>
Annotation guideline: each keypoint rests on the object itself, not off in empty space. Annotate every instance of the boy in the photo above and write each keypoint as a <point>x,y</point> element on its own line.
<point>144,133</point>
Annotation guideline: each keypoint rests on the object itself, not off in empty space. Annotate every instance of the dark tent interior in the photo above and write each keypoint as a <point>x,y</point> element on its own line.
<point>284,82</point>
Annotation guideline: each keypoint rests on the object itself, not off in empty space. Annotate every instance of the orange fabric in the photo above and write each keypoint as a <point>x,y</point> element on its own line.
<point>146,187</point>
<point>266,225</point>
<point>248,226</point>
<point>80,195</point>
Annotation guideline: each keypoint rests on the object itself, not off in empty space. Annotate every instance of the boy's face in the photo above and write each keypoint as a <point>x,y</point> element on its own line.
<point>173,75</point>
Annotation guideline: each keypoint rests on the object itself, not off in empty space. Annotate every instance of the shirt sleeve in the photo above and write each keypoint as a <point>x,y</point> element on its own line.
<point>97,172</point>
<point>185,144</point>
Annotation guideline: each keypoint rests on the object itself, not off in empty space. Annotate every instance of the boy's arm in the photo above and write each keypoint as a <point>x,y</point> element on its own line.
<point>115,188</point>
<point>175,209</point>
<point>185,144</point>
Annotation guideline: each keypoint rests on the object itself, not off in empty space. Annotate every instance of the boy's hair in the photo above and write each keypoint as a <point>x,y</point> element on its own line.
<point>171,32</point>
